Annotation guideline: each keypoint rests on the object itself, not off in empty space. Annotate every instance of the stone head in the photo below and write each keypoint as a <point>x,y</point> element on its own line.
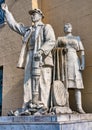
<point>67,28</point>
<point>36,15</point>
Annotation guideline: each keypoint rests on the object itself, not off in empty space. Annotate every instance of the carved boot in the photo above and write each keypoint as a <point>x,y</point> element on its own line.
<point>78,101</point>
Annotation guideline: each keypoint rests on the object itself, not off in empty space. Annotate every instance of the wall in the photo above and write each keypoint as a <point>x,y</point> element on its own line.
<point>79,14</point>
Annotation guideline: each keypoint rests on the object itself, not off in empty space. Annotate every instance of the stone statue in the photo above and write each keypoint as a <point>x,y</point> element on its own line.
<point>35,58</point>
<point>72,66</point>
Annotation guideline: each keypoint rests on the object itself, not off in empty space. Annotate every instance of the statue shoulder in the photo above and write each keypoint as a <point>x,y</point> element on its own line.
<point>77,38</point>
<point>47,27</point>
<point>49,32</point>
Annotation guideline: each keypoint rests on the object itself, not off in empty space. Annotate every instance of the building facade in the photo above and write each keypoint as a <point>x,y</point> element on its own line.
<point>57,13</point>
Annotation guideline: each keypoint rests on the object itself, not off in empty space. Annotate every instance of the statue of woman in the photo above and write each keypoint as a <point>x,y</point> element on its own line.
<point>73,66</point>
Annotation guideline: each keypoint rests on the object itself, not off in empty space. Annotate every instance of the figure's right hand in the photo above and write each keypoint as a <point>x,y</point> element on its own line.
<point>4,6</point>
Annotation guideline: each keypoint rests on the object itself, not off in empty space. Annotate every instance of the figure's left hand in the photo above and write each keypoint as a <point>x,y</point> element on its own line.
<point>82,67</point>
<point>38,53</point>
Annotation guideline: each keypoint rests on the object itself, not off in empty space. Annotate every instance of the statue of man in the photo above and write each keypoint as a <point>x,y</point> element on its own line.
<point>72,65</point>
<point>38,40</point>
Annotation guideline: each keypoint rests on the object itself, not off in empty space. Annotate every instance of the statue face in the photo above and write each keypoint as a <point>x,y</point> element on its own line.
<point>35,17</point>
<point>68,28</point>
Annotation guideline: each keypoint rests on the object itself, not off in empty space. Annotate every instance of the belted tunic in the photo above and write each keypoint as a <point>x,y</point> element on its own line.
<point>74,76</point>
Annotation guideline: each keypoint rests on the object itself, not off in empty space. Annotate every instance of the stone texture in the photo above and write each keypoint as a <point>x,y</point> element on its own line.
<point>57,13</point>
<point>59,94</point>
<point>63,118</point>
<point>63,122</point>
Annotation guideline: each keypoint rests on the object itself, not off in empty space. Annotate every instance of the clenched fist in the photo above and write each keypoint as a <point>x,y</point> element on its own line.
<point>4,7</point>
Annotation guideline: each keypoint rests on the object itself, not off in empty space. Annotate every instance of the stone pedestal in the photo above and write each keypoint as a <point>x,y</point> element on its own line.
<point>59,122</point>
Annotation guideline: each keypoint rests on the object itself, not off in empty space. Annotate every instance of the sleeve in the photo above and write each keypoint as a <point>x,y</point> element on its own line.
<point>17,27</point>
<point>80,45</point>
<point>49,39</point>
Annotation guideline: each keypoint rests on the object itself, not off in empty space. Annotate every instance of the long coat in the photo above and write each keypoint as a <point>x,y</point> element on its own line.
<point>45,38</point>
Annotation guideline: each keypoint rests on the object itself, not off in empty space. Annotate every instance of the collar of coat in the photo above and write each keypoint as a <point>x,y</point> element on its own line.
<point>40,23</point>
<point>29,31</point>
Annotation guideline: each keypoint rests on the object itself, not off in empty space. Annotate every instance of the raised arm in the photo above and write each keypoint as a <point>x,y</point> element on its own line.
<point>15,26</point>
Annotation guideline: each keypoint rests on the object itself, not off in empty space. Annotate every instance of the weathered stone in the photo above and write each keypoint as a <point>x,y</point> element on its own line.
<point>63,122</point>
<point>59,96</point>
<point>61,110</point>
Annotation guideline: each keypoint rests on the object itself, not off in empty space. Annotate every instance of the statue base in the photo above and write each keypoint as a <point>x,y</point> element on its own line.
<point>55,122</point>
